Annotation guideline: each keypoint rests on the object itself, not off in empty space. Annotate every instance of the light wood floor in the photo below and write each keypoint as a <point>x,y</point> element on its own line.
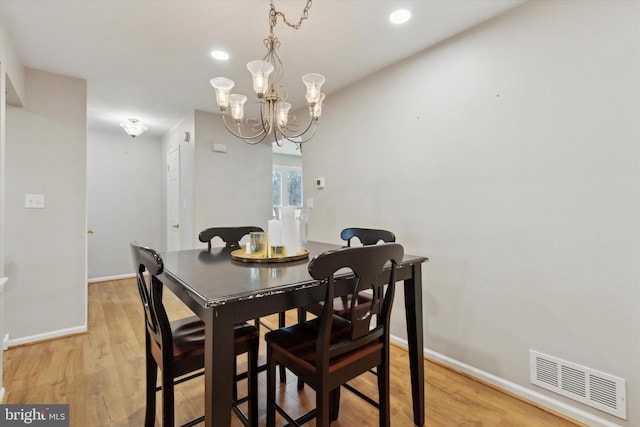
<point>101,375</point>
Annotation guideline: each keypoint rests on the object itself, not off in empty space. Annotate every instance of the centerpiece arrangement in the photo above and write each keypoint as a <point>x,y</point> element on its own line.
<point>284,240</point>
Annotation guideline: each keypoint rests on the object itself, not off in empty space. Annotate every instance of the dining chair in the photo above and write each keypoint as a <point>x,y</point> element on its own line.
<point>366,236</point>
<point>231,236</point>
<point>330,350</point>
<point>177,347</point>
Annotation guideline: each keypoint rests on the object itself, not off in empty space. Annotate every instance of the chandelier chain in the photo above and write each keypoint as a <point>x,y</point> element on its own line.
<point>273,16</point>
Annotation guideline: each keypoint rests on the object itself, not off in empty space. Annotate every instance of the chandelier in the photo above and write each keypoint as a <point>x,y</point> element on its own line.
<point>133,128</point>
<point>274,118</point>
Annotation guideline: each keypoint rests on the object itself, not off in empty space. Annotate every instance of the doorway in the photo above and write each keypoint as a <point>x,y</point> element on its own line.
<point>173,199</point>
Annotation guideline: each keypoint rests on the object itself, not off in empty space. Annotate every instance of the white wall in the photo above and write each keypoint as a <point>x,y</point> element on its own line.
<point>217,189</point>
<point>3,104</point>
<point>3,82</point>
<point>45,249</point>
<point>14,69</point>
<point>3,280</point>
<point>11,69</point>
<point>509,156</point>
<point>232,188</point>
<point>124,199</point>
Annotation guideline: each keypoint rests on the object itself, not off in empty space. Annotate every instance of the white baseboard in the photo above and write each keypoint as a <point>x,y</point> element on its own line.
<point>399,341</point>
<point>518,390</point>
<point>108,278</point>
<point>48,335</point>
<point>2,392</point>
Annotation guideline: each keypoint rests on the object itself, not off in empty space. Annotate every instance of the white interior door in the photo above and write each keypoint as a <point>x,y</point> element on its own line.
<point>173,199</point>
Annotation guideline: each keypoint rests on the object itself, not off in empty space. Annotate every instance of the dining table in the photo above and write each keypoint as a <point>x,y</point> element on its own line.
<point>223,291</point>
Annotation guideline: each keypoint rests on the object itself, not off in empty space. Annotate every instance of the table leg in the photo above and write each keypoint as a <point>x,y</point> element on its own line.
<point>282,324</point>
<point>413,312</point>
<point>218,369</point>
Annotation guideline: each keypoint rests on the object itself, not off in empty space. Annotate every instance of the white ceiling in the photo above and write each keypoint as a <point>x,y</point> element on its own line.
<point>150,58</point>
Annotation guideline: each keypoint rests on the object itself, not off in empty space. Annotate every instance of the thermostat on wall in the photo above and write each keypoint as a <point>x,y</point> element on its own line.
<point>320,183</point>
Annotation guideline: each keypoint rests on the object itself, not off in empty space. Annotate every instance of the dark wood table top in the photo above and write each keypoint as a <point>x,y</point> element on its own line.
<point>213,278</point>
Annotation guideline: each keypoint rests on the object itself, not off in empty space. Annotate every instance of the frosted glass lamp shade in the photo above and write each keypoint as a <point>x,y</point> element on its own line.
<point>316,109</point>
<point>237,106</point>
<point>314,83</point>
<point>260,71</point>
<point>223,88</point>
<point>283,113</point>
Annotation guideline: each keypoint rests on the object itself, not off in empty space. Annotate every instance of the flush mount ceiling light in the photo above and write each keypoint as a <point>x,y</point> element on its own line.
<point>133,128</point>
<point>400,16</point>
<point>274,110</point>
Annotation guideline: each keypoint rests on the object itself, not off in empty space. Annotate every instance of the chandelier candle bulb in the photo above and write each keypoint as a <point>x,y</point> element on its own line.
<point>283,111</point>
<point>260,71</point>
<point>316,109</point>
<point>313,82</point>
<point>237,106</point>
<point>223,88</point>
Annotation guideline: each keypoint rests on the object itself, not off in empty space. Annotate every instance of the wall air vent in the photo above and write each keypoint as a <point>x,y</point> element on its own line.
<point>596,389</point>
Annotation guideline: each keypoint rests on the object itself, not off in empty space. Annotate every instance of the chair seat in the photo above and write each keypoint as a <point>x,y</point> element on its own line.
<point>299,341</point>
<point>188,336</point>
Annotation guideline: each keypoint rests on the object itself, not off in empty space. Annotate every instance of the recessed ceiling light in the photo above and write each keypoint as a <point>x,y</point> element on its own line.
<point>220,54</point>
<point>400,16</point>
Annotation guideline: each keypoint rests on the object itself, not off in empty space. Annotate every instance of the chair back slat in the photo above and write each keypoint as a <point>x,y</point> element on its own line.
<point>367,236</point>
<point>231,236</point>
<point>369,265</point>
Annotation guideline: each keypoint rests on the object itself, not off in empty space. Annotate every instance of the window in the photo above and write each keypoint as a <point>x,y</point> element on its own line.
<point>287,186</point>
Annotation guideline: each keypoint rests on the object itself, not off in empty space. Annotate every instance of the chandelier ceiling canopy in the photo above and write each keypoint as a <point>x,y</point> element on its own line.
<point>271,95</point>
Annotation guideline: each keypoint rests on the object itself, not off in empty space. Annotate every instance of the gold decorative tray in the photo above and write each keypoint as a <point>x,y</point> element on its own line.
<point>241,255</point>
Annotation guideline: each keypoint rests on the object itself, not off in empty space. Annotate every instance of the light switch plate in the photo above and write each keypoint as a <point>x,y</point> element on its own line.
<point>34,201</point>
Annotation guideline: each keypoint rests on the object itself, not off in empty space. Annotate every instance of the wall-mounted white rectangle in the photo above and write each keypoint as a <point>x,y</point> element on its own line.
<point>34,201</point>
<point>219,148</point>
<point>593,388</point>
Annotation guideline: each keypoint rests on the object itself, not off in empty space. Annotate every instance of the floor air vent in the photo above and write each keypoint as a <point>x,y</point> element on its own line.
<point>596,389</point>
